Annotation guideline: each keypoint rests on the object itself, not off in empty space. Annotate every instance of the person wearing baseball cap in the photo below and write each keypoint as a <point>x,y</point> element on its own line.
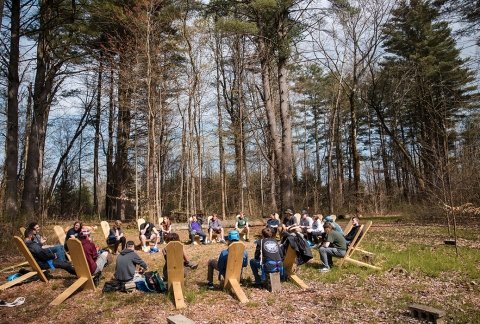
<point>221,264</point>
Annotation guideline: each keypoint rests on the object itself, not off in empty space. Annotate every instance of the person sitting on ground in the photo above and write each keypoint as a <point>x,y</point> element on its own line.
<point>214,226</point>
<point>127,262</point>
<point>268,257</point>
<point>165,228</point>
<point>336,227</point>
<point>334,245</point>
<point>356,226</point>
<point>221,264</point>
<point>241,225</point>
<point>195,228</point>
<point>315,233</point>
<point>148,231</point>
<point>96,260</point>
<point>45,257</point>
<point>58,249</point>
<point>72,233</point>
<point>289,222</point>
<point>187,264</point>
<point>306,222</point>
<point>116,237</point>
<point>273,223</point>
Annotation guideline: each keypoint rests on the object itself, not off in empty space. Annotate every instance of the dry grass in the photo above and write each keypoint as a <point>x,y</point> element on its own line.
<point>347,295</point>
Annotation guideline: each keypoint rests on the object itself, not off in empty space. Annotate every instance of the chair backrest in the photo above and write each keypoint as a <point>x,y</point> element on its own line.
<point>289,260</point>
<point>354,242</point>
<point>334,217</point>
<point>29,257</point>
<point>60,234</point>
<point>105,228</point>
<point>175,271</point>
<point>234,262</point>
<point>349,226</point>
<point>80,261</point>
<point>22,231</point>
<point>363,231</point>
<point>140,221</point>
<point>297,218</point>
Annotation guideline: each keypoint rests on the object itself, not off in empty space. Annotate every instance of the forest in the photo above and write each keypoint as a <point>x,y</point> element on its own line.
<point>119,109</point>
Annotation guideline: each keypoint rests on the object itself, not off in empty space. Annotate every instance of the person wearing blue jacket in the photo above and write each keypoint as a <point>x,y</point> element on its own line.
<point>221,264</point>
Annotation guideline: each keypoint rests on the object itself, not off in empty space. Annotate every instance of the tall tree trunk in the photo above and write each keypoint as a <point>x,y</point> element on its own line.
<point>123,135</point>
<point>96,205</point>
<point>11,159</point>
<point>110,206</point>
<point>46,72</point>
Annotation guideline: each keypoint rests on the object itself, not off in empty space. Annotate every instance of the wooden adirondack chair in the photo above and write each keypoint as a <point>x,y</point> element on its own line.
<point>22,231</point>
<point>288,263</point>
<point>81,268</point>
<point>140,221</point>
<point>60,232</point>
<point>234,271</point>
<point>362,232</point>
<point>175,272</point>
<point>106,231</point>
<point>348,227</point>
<point>196,238</point>
<point>36,270</point>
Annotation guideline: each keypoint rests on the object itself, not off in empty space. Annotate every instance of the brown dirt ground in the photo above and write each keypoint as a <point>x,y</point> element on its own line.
<point>359,296</point>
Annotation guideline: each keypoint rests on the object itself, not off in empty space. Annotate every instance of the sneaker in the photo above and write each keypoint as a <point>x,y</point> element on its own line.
<point>324,269</point>
<point>192,265</point>
<point>204,243</point>
<point>96,278</point>
<point>145,249</point>
<point>210,285</point>
<point>222,241</point>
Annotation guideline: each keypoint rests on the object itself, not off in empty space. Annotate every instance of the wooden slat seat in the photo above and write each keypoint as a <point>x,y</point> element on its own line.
<point>234,271</point>
<point>36,270</point>
<point>175,272</point>
<point>81,268</point>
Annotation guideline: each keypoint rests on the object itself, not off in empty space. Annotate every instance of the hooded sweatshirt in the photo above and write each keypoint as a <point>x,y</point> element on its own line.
<point>126,263</point>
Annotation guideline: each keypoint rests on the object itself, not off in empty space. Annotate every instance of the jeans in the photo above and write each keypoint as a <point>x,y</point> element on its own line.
<point>59,250</point>
<point>101,262</point>
<point>326,254</point>
<point>212,265</point>
<point>256,269</point>
<point>199,233</point>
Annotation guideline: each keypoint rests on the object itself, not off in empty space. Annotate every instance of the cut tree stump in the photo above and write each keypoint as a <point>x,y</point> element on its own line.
<point>427,313</point>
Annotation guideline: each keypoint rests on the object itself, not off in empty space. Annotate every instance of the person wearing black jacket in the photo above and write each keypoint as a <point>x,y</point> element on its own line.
<point>268,257</point>
<point>351,234</point>
<point>45,257</point>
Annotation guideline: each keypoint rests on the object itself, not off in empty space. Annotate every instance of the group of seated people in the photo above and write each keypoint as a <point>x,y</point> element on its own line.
<point>269,253</point>
<point>53,256</point>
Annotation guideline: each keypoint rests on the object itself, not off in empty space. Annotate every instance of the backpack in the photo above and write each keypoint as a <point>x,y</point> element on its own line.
<point>154,282</point>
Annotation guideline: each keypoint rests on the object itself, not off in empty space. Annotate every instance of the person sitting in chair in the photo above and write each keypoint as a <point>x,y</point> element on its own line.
<point>334,245</point>
<point>241,225</point>
<point>195,228</point>
<point>148,232</point>
<point>58,249</point>
<point>221,264</point>
<point>306,222</point>
<point>289,222</point>
<point>214,226</point>
<point>315,233</point>
<point>72,233</point>
<point>356,226</point>
<point>96,260</point>
<point>45,257</point>
<point>187,264</point>
<point>116,237</point>
<point>165,228</point>
<point>273,223</point>
<point>268,257</point>
<point>336,227</point>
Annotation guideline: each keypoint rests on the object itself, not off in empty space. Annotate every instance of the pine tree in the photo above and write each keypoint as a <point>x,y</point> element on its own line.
<point>433,82</point>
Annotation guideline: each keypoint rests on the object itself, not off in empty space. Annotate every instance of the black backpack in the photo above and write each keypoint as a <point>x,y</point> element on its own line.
<point>155,282</point>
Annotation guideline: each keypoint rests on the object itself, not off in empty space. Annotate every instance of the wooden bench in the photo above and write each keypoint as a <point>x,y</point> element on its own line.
<point>36,270</point>
<point>288,263</point>
<point>234,271</point>
<point>175,272</point>
<point>81,268</point>
<point>354,246</point>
